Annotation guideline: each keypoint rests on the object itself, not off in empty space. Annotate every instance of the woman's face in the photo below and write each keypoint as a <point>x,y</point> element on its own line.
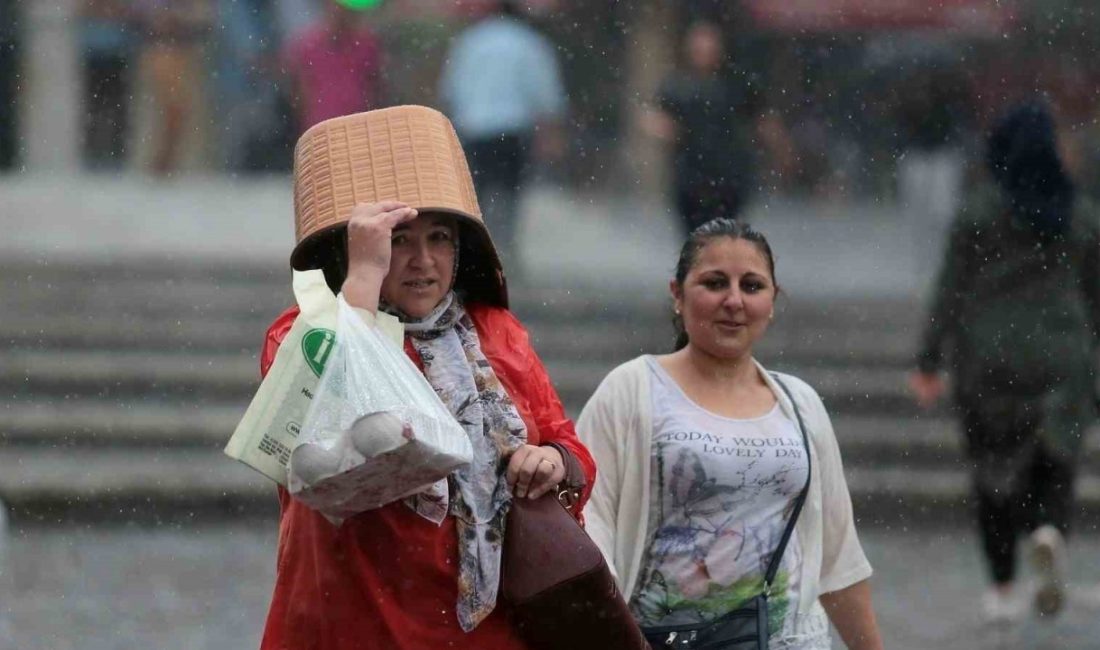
<point>727,298</point>
<point>422,264</point>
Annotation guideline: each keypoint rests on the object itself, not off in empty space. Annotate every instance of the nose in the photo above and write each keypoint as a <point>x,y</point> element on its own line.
<point>734,299</point>
<point>421,257</point>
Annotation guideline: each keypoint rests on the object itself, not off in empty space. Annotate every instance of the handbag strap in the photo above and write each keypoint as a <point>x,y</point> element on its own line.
<point>773,565</point>
<point>574,481</point>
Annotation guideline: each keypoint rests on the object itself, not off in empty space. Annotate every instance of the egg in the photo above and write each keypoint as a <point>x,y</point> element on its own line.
<point>377,433</point>
<point>311,462</point>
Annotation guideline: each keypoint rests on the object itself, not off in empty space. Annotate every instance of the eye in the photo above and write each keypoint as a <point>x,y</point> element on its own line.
<point>441,235</point>
<point>753,285</point>
<point>398,238</point>
<point>714,283</point>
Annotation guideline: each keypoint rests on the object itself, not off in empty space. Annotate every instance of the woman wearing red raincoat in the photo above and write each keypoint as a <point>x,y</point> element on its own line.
<point>422,573</point>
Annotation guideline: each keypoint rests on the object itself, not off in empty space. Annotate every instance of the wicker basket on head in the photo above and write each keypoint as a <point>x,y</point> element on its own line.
<point>404,153</point>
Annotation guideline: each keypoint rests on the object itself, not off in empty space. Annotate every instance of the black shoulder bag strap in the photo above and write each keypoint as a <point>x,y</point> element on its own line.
<point>773,565</point>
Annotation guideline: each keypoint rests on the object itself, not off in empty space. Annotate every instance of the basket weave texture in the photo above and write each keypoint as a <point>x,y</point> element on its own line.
<point>405,153</point>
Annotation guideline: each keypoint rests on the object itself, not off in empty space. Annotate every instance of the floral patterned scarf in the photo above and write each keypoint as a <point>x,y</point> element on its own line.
<point>477,495</point>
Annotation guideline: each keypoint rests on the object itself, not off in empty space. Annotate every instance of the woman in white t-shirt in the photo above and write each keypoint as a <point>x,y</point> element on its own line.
<point>701,462</point>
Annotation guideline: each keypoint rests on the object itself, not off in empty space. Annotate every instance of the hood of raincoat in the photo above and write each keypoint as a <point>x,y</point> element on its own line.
<point>1023,159</point>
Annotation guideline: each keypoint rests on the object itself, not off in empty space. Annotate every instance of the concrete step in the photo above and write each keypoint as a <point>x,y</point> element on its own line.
<point>613,344</point>
<point>225,290</point>
<point>61,487</point>
<point>64,486</point>
<point>88,425</point>
<point>127,376</point>
<point>902,497</point>
<point>211,308</point>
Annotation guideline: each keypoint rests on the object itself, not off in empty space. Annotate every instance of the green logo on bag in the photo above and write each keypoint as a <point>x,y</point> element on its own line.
<point>316,346</point>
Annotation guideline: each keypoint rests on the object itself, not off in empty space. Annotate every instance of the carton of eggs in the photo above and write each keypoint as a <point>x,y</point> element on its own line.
<point>382,457</point>
<point>368,437</point>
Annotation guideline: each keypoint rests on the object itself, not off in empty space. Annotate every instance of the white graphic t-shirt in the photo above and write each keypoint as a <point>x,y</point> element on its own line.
<point>723,491</point>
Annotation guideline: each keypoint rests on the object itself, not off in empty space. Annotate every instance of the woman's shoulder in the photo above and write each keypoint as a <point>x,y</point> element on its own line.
<point>1087,217</point>
<point>628,373</point>
<point>797,385</point>
<point>275,335</point>
<point>980,209</point>
<point>803,394</point>
<point>486,316</point>
<point>623,383</point>
<point>278,329</point>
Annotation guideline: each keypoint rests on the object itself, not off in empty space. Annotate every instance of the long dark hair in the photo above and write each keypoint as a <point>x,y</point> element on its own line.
<point>1023,159</point>
<point>703,235</point>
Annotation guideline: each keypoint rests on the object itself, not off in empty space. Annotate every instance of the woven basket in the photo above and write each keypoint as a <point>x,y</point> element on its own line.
<point>405,153</point>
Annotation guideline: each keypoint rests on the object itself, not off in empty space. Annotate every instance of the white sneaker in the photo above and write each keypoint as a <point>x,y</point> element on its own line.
<point>1048,557</point>
<point>1000,607</point>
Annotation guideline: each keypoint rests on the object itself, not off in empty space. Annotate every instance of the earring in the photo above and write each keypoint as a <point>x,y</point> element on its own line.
<point>677,310</point>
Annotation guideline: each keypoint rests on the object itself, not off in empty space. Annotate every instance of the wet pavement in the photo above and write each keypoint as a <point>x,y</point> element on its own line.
<point>208,588</point>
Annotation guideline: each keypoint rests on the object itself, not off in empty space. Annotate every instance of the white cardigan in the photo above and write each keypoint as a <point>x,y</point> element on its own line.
<point>617,427</point>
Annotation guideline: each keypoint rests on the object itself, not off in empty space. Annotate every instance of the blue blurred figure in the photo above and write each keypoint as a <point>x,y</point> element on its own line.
<point>502,88</point>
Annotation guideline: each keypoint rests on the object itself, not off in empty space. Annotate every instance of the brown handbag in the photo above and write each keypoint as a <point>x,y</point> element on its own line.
<point>559,590</point>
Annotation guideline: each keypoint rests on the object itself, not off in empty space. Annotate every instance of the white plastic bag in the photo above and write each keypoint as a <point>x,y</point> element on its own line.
<point>376,431</point>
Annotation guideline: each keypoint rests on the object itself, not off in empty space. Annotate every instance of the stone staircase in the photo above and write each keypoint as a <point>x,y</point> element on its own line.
<point>121,382</point>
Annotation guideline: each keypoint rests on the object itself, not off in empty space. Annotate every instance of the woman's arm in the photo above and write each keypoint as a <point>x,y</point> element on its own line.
<point>554,425</point>
<point>369,230</point>
<point>952,283</point>
<point>1090,279</point>
<point>528,384</point>
<point>596,429</point>
<point>851,613</point>
<point>845,572</point>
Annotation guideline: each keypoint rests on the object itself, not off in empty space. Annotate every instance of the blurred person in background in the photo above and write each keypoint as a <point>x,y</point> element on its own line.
<point>293,17</point>
<point>108,42</point>
<point>702,458</point>
<point>334,67</point>
<point>1017,316</point>
<point>502,86</point>
<point>933,116</point>
<point>254,132</point>
<point>10,51</point>
<point>173,32</point>
<point>716,126</point>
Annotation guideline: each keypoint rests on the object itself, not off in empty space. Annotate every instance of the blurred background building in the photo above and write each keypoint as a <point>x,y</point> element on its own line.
<point>206,86</point>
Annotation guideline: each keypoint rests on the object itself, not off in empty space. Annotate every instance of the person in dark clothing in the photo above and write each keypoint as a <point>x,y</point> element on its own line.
<point>712,122</point>
<point>109,44</point>
<point>1018,309</point>
<point>11,29</point>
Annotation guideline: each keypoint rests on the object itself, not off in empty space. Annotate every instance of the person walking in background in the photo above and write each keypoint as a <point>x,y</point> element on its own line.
<point>715,125</point>
<point>502,86</point>
<point>11,52</point>
<point>334,67</point>
<point>933,119</point>
<point>108,42</point>
<point>253,133</point>
<point>1017,313</point>
<point>173,32</point>
<point>705,459</point>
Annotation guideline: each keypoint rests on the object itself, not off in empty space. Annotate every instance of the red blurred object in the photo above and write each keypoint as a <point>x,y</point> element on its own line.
<point>988,17</point>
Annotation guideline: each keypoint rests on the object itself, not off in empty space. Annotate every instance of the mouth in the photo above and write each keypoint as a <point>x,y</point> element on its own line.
<point>419,284</point>
<point>729,325</point>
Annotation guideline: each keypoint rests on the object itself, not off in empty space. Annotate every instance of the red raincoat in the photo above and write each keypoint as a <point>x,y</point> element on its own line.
<point>388,578</point>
